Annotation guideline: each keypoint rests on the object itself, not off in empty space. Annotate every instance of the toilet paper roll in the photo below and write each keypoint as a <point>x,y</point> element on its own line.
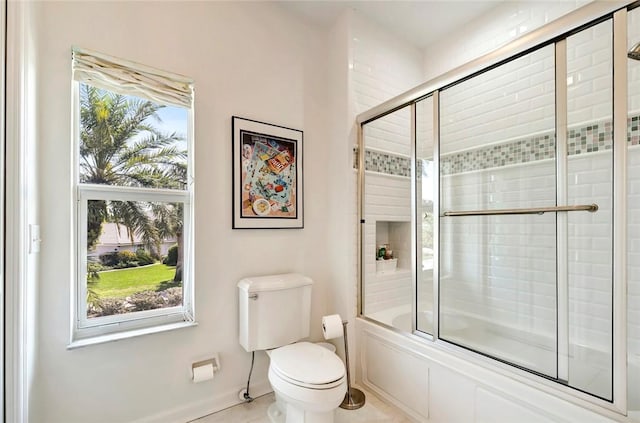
<point>202,373</point>
<point>332,326</point>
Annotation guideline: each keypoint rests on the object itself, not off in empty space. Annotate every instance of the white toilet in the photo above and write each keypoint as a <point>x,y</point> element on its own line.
<point>308,379</point>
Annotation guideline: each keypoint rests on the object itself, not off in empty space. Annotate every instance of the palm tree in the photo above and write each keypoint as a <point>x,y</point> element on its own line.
<point>169,219</point>
<point>118,146</point>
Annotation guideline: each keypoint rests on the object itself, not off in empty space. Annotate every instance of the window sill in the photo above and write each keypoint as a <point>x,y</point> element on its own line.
<point>101,339</point>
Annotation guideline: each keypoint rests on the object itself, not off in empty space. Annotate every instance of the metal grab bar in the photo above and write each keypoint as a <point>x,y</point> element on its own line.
<point>535,210</point>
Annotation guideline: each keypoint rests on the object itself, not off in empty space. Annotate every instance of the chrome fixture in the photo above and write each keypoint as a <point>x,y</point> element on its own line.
<point>354,398</point>
<point>536,210</point>
<point>634,53</point>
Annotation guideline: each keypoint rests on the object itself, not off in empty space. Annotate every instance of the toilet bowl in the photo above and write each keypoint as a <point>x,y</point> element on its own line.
<point>308,380</point>
<point>309,383</point>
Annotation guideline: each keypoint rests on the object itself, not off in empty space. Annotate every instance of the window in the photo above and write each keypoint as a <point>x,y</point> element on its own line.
<point>134,196</point>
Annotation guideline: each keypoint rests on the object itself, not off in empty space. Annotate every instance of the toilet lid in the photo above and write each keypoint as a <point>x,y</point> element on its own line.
<point>307,363</point>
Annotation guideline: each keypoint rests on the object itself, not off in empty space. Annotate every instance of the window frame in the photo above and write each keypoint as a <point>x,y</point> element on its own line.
<point>87,331</point>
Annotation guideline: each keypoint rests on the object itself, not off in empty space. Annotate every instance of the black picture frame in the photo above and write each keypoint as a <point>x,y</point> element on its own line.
<point>268,175</point>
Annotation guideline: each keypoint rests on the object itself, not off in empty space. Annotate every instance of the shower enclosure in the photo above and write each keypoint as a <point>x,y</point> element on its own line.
<point>498,210</point>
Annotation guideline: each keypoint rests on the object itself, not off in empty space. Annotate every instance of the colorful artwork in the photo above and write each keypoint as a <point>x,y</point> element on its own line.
<point>267,175</point>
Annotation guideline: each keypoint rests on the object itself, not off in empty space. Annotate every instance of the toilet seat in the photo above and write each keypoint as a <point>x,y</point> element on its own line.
<point>301,384</point>
<point>308,365</point>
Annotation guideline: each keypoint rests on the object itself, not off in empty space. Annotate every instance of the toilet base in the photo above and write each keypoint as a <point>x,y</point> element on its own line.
<point>274,414</point>
<point>296,415</point>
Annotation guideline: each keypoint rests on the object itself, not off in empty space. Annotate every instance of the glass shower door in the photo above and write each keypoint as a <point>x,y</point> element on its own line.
<point>387,262</point>
<point>425,218</point>
<point>498,291</point>
<point>532,289</point>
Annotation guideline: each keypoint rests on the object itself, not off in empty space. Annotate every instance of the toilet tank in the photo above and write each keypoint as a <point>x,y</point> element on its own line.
<point>274,310</point>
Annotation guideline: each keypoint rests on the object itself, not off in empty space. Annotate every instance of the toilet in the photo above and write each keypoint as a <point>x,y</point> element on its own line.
<point>309,380</point>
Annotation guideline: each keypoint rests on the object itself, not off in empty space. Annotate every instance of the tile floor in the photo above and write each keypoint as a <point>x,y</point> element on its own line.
<point>374,411</point>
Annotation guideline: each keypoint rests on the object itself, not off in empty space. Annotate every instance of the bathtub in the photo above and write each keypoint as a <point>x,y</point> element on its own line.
<point>535,352</point>
<point>449,321</point>
<point>441,382</point>
<point>400,318</point>
<point>477,334</point>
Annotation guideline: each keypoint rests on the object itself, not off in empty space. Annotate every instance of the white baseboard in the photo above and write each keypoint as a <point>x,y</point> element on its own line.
<point>194,410</point>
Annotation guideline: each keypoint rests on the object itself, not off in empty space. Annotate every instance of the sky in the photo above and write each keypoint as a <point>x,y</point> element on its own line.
<point>174,119</point>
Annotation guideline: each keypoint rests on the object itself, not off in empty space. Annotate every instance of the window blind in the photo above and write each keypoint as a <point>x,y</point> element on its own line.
<point>129,78</point>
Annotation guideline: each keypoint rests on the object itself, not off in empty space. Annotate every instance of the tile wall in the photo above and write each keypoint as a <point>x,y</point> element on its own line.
<point>500,268</point>
<point>383,66</point>
<point>504,104</point>
<point>501,25</point>
<point>387,199</point>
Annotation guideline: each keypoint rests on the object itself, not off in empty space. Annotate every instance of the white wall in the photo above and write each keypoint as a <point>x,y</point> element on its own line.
<point>21,209</point>
<point>339,210</point>
<point>247,59</point>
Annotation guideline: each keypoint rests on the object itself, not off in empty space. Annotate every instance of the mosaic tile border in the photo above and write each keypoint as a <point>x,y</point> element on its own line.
<point>597,136</point>
<point>387,163</point>
<point>633,130</point>
<point>521,151</point>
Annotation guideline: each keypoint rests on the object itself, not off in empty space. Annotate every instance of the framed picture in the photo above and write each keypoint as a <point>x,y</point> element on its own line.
<point>267,175</point>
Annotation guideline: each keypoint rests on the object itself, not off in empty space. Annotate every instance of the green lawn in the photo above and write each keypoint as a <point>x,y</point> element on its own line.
<point>124,282</point>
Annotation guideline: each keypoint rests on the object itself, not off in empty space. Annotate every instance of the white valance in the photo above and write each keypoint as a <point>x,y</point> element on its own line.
<point>128,78</point>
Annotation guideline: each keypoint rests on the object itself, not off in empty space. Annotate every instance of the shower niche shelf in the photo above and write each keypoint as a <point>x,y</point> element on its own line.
<point>395,275</point>
<point>386,266</point>
<point>396,235</point>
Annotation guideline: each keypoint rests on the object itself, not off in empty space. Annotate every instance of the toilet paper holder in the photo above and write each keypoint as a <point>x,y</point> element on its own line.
<point>354,398</point>
<point>213,361</point>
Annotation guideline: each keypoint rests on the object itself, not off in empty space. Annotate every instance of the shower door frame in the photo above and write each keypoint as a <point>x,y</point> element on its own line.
<point>3,117</point>
<point>555,33</point>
